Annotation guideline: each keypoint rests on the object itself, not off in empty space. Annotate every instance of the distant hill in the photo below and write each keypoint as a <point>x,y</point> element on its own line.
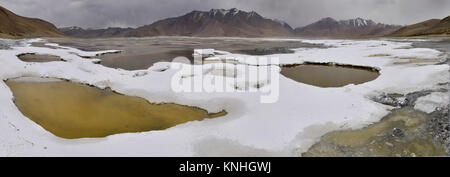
<point>14,26</point>
<point>429,27</point>
<point>329,27</point>
<point>95,33</point>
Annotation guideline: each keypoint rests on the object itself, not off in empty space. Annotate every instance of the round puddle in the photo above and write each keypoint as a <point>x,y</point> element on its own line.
<point>71,110</point>
<point>328,75</point>
<point>31,57</point>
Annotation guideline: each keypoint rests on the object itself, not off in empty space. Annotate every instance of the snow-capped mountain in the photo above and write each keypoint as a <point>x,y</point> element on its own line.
<point>216,22</point>
<point>235,22</point>
<point>358,22</point>
<point>329,27</point>
<point>223,12</point>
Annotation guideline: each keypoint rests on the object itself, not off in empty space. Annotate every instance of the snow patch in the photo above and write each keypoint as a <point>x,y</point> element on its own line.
<point>432,102</point>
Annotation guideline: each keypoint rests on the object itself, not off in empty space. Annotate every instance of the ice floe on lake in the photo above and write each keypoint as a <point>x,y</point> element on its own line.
<point>433,101</point>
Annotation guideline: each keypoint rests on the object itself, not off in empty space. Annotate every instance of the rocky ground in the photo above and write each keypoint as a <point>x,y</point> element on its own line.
<point>439,124</point>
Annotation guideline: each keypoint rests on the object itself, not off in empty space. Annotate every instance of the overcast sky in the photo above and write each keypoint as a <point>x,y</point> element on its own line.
<point>133,13</point>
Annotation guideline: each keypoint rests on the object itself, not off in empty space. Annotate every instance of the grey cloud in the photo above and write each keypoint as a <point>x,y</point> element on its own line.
<point>123,13</point>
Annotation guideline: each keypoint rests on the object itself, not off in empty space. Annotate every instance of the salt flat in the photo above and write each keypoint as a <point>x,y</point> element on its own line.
<point>288,127</point>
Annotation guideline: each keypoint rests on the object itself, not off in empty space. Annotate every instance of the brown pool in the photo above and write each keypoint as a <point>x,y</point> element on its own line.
<point>329,75</point>
<point>31,57</point>
<point>71,110</point>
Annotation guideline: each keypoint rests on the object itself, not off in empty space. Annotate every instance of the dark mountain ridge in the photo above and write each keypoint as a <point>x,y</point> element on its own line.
<point>15,26</point>
<point>428,27</point>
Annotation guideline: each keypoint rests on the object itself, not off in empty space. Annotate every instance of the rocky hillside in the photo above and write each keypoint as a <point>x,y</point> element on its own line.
<point>14,26</point>
<point>329,27</point>
<point>429,27</point>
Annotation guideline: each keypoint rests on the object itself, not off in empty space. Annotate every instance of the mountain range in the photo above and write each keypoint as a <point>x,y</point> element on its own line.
<point>95,33</point>
<point>216,22</point>
<point>234,22</point>
<point>329,27</point>
<point>221,22</point>
<point>15,26</point>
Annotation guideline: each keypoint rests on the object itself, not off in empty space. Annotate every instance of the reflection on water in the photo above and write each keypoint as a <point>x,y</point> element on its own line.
<point>325,75</point>
<point>142,60</point>
<point>401,133</point>
<point>71,110</point>
<point>441,45</point>
<point>141,53</point>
